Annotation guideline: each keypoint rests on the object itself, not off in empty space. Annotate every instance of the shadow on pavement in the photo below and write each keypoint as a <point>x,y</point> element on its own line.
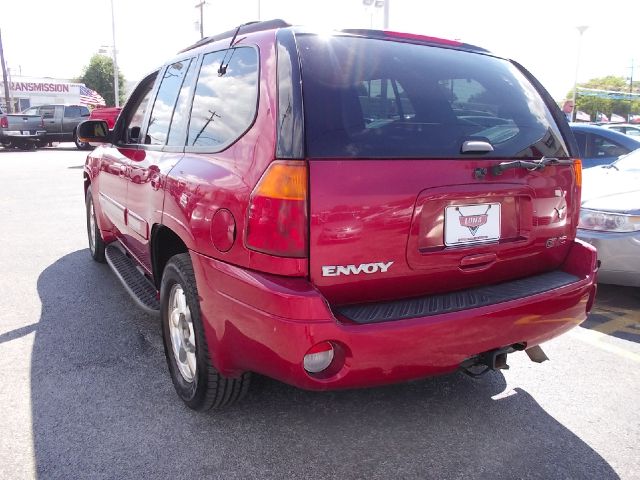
<point>103,406</point>
<point>616,312</point>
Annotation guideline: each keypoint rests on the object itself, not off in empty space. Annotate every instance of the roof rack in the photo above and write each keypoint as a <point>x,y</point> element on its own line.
<point>249,27</point>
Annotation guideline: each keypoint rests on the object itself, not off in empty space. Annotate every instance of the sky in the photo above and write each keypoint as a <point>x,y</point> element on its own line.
<point>56,38</point>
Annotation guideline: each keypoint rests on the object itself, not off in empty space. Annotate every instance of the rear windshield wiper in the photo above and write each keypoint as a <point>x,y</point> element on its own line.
<point>530,165</point>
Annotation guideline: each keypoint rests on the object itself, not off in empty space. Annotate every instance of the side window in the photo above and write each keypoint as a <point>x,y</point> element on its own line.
<point>71,112</point>
<point>224,105</point>
<point>162,112</point>
<point>177,131</point>
<point>84,111</point>
<point>47,112</point>
<point>140,97</point>
<point>603,147</point>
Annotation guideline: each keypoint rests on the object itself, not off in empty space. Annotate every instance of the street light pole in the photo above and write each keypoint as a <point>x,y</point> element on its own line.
<point>385,22</point>
<point>116,80</point>
<point>201,7</point>
<point>581,30</point>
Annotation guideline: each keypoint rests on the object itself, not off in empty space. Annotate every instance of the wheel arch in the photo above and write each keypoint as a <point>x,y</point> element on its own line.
<point>165,243</point>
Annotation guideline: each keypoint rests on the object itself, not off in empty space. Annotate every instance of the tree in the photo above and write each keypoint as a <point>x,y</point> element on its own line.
<point>592,105</point>
<point>98,76</point>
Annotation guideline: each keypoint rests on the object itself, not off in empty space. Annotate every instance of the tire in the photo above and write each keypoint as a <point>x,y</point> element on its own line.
<point>80,145</point>
<point>200,386</point>
<point>96,243</point>
<point>25,146</point>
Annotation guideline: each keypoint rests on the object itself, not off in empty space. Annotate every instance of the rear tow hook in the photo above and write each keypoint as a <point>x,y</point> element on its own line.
<point>491,360</point>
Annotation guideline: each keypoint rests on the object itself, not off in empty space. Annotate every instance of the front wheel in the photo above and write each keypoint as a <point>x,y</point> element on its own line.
<point>96,243</point>
<point>80,145</point>
<point>195,379</point>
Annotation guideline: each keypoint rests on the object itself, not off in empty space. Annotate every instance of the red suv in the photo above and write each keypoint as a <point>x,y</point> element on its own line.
<point>341,210</point>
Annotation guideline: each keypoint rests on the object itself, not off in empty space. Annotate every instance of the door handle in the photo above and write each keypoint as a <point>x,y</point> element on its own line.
<point>474,263</point>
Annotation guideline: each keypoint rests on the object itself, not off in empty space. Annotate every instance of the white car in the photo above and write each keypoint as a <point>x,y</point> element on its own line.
<point>626,128</point>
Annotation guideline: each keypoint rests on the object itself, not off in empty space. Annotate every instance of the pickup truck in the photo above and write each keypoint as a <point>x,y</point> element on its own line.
<point>61,121</point>
<point>108,114</point>
<point>21,131</point>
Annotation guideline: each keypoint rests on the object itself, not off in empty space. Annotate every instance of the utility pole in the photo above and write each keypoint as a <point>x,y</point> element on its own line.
<point>116,80</point>
<point>630,92</point>
<point>4,78</point>
<point>201,7</point>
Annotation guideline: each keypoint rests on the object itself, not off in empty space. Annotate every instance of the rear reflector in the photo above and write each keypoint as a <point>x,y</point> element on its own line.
<point>277,218</point>
<point>319,357</point>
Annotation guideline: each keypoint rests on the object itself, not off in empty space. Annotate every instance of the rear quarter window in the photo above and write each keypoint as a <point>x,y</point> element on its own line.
<point>224,105</point>
<point>375,98</point>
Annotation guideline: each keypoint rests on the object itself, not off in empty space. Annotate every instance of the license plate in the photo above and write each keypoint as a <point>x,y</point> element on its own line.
<point>473,223</point>
<point>25,132</point>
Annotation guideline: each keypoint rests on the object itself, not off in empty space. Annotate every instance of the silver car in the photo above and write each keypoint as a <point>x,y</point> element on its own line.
<point>610,218</point>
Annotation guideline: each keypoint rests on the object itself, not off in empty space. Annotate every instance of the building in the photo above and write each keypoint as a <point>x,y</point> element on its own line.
<point>25,92</point>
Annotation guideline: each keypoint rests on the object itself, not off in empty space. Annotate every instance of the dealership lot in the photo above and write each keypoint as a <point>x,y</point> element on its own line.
<point>85,393</point>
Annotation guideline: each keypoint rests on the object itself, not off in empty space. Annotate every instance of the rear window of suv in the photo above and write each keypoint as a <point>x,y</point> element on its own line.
<point>375,98</point>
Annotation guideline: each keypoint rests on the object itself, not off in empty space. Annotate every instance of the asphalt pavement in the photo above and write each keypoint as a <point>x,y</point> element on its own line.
<point>85,393</point>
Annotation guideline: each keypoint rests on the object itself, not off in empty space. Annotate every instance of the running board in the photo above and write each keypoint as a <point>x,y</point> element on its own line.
<point>135,283</point>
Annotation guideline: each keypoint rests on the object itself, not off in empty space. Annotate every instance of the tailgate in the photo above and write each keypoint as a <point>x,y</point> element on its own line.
<point>25,123</point>
<point>379,229</point>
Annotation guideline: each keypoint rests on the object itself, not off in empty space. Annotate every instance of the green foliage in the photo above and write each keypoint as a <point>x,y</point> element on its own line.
<point>98,76</point>
<point>593,105</point>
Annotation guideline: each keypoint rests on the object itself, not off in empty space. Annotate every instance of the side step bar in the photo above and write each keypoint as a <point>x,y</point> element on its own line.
<point>139,287</point>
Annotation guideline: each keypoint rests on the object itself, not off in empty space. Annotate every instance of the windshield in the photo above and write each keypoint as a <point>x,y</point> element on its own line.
<point>375,98</point>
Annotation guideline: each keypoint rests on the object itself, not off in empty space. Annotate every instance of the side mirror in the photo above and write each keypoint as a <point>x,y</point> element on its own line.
<point>93,131</point>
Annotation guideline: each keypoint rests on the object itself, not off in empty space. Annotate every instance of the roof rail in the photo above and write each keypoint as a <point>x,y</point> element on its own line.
<point>249,27</point>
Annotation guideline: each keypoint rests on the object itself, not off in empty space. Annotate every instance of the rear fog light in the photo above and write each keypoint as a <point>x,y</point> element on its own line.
<point>319,357</point>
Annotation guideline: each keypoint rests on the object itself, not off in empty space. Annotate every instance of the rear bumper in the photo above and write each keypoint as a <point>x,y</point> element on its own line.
<point>266,324</point>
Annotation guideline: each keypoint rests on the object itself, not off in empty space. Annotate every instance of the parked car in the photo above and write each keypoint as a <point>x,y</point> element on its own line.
<point>324,210</point>
<point>601,146</point>
<point>61,122</point>
<point>20,130</point>
<point>108,114</point>
<point>626,128</point>
<point>610,218</point>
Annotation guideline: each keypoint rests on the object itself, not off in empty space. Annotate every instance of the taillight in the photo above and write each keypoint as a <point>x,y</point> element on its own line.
<point>577,169</point>
<point>4,122</point>
<point>277,219</point>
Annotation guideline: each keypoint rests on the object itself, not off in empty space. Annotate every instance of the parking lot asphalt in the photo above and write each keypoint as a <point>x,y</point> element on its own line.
<point>84,391</point>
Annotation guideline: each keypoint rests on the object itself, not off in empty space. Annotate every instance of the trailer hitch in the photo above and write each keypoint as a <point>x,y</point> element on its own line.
<point>495,359</point>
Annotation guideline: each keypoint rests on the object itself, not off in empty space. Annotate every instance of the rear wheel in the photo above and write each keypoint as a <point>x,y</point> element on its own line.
<point>195,379</point>
<point>96,243</point>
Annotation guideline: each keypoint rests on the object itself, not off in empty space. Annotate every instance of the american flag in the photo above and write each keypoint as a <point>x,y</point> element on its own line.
<point>90,97</point>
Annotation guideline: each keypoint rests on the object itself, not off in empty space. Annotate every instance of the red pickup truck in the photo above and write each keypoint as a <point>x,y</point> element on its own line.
<point>108,114</point>
<point>338,211</point>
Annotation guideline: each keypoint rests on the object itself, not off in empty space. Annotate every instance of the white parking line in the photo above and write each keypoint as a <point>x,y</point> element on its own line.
<point>597,340</point>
